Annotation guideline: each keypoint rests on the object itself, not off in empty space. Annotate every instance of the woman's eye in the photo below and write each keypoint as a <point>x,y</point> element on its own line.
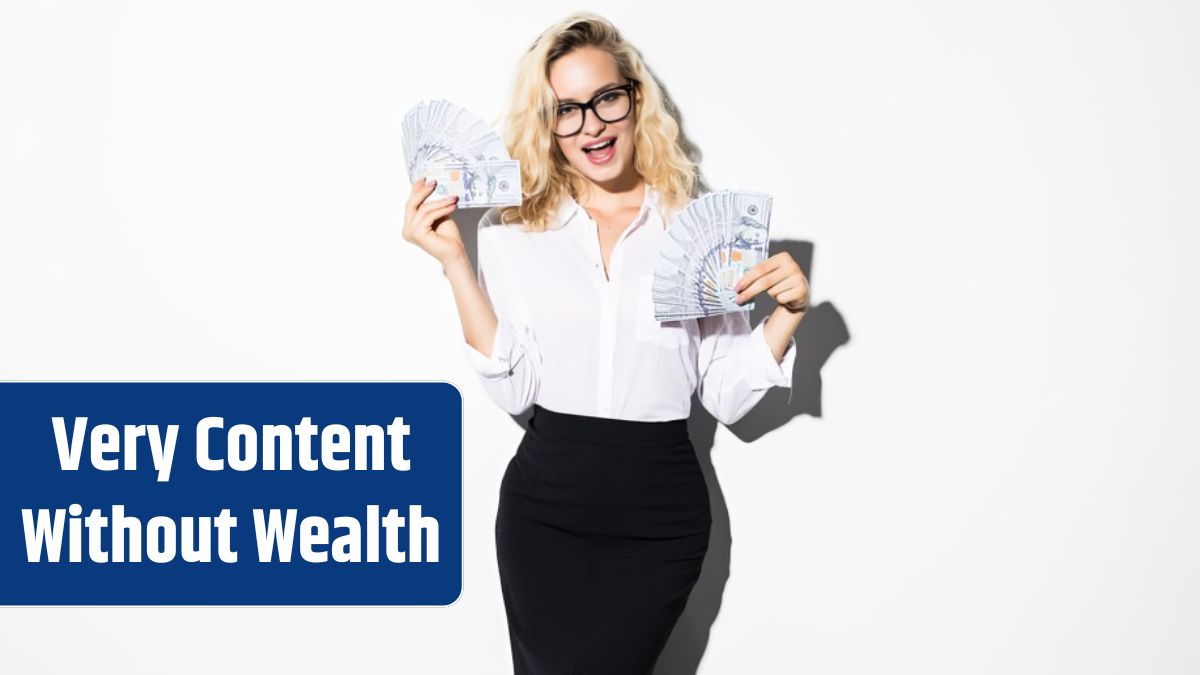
<point>563,111</point>
<point>609,97</point>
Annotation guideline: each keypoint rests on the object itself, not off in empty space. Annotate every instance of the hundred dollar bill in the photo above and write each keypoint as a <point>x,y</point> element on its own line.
<point>710,245</point>
<point>476,184</point>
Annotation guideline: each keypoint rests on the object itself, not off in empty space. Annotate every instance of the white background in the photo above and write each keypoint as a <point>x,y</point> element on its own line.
<point>1001,200</point>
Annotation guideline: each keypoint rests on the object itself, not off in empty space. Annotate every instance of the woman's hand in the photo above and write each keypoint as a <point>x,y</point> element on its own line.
<point>427,223</point>
<point>778,275</point>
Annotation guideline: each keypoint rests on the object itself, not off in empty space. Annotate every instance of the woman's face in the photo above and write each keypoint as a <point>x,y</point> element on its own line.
<point>577,77</point>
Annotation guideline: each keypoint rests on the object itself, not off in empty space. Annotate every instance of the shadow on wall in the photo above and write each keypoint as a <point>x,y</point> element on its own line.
<point>820,333</point>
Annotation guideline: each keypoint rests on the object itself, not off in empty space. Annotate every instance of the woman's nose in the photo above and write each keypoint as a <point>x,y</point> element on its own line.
<point>592,125</point>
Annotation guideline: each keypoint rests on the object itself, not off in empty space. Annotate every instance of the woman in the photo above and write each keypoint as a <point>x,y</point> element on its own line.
<point>604,518</point>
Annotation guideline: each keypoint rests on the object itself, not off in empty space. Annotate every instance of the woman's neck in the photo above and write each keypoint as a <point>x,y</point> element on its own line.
<point>614,196</point>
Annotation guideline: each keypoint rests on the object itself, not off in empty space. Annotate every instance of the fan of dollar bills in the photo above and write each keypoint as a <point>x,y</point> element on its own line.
<point>709,246</point>
<point>467,159</point>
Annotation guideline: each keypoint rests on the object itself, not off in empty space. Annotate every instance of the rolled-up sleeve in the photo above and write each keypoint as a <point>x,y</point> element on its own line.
<point>510,376</point>
<point>737,365</point>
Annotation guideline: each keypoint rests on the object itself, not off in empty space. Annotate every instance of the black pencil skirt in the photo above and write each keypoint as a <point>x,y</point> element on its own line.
<point>601,532</point>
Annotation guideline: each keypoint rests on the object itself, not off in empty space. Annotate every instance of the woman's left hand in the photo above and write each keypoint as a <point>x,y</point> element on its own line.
<point>778,275</point>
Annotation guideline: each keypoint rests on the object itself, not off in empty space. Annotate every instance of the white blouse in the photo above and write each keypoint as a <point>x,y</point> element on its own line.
<point>573,341</point>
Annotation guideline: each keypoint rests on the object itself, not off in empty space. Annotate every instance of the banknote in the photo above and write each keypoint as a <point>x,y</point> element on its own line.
<point>710,245</point>
<point>468,159</point>
<point>476,184</point>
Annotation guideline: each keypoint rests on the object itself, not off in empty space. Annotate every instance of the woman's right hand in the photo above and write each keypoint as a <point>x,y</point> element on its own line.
<point>427,223</point>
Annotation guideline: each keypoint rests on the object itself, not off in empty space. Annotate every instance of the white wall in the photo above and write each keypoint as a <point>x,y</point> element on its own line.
<point>1001,200</point>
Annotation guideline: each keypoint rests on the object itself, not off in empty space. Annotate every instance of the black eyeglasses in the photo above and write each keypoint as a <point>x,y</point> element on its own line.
<point>610,105</point>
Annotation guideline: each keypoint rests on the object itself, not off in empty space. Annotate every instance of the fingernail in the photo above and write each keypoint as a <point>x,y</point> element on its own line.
<point>430,181</point>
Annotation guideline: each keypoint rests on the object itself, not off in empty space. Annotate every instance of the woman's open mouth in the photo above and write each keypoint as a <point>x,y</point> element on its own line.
<point>602,151</point>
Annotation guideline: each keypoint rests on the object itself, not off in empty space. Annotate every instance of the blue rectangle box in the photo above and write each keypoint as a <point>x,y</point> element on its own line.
<point>193,493</point>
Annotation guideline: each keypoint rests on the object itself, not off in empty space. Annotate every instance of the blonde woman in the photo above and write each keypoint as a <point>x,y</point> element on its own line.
<point>603,521</point>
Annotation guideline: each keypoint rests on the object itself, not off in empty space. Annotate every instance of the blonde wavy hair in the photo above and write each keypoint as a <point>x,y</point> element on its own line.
<point>546,176</point>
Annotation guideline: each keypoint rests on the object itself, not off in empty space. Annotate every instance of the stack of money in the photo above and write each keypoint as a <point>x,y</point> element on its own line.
<point>709,246</point>
<point>467,159</point>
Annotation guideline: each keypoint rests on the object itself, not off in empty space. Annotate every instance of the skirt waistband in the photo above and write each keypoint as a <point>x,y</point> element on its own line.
<point>567,426</point>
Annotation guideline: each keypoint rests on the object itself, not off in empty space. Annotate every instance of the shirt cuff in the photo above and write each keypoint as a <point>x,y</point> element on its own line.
<point>504,353</point>
<point>772,373</point>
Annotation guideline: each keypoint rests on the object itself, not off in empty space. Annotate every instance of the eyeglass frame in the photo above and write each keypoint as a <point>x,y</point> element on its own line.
<point>628,88</point>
